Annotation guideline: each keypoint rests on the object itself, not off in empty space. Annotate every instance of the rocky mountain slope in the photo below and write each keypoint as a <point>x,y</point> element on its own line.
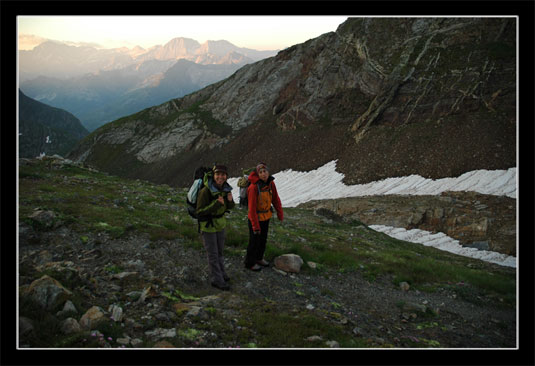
<point>45,129</point>
<point>106,262</point>
<point>385,96</point>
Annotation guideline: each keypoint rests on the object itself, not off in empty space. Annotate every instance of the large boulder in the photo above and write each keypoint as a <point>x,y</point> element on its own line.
<point>44,220</point>
<point>289,263</point>
<point>48,292</point>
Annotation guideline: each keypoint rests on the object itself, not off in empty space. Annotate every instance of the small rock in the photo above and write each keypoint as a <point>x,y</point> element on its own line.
<point>379,340</point>
<point>194,311</point>
<point>146,292</point>
<point>411,306</point>
<point>134,295</point>
<point>123,341</point>
<point>123,275</point>
<point>92,316</point>
<point>312,265</point>
<point>161,333</point>
<point>310,307</point>
<point>332,344</point>
<point>137,264</point>
<point>70,325</point>
<point>314,338</point>
<point>209,299</point>
<point>115,288</point>
<point>404,286</point>
<point>162,316</point>
<point>25,325</point>
<point>67,308</point>
<point>136,342</point>
<point>116,313</point>
<point>181,307</point>
<point>45,219</point>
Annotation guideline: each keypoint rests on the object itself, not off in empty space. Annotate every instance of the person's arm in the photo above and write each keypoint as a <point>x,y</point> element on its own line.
<point>277,202</point>
<point>252,198</point>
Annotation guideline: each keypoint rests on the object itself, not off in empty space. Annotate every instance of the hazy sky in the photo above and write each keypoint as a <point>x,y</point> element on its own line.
<point>256,32</point>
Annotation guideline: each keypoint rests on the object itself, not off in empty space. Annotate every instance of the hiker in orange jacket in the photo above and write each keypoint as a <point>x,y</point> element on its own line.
<point>261,195</point>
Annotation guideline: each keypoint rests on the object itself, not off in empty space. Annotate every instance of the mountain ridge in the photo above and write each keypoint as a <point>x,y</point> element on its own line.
<point>61,60</point>
<point>386,97</point>
<point>97,85</point>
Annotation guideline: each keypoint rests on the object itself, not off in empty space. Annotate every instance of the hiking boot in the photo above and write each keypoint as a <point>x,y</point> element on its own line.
<point>255,268</point>
<point>224,287</point>
<point>263,263</point>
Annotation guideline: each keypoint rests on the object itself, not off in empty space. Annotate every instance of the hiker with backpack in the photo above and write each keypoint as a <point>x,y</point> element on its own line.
<point>261,196</point>
<point>214,199</point>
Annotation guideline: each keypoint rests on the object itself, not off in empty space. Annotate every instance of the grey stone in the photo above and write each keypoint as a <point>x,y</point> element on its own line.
<point>159,333</point>
<point>289,263</point>
<point>116,313</point>
<point>332,344</point>
<point>46,219</point>
<point>70,325</point>
<point>48,292</point>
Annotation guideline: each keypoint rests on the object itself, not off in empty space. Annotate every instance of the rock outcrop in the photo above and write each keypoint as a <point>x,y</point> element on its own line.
<point>482,221</point>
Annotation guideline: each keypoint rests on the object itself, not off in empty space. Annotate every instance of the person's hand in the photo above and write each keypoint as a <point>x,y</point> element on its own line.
<point>229,196</point>
<point>221,200</point>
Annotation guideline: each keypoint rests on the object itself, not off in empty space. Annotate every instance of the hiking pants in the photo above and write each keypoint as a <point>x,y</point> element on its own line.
<point>213,243</point>
<point>257,244</point>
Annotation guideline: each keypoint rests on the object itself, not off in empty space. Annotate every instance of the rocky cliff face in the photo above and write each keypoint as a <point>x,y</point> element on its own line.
<point>385,96</point>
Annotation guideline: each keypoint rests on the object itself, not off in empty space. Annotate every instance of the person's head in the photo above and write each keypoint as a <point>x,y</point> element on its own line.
<point>262,171</point>
<point>220,174</point>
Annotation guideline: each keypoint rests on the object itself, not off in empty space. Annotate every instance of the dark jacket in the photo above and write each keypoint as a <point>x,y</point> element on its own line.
<point>209,206</point>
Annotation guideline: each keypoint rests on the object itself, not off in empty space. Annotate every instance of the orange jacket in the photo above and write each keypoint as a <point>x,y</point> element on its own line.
<point>263,200</point>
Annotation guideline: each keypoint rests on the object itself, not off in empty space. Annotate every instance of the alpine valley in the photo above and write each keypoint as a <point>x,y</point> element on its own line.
<point>101,85</point>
